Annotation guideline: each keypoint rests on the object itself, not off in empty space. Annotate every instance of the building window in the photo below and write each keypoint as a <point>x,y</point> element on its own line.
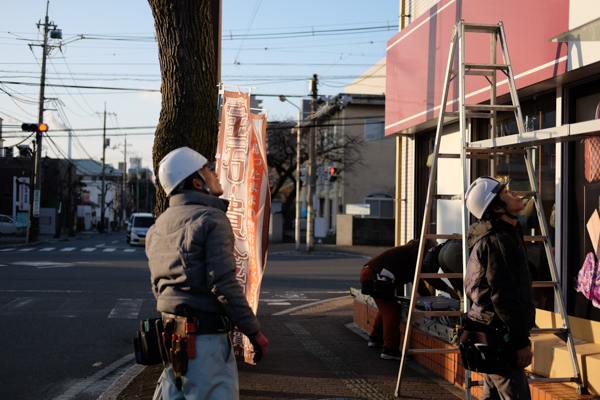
<point>382,206</point>
<point>374,128</point>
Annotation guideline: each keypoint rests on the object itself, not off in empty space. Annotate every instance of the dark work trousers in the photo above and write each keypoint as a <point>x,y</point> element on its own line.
<point>514,386</point>
<point>386,328</point>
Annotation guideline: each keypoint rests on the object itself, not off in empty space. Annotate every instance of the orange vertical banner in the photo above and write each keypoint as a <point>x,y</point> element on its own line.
<point>242,169</point>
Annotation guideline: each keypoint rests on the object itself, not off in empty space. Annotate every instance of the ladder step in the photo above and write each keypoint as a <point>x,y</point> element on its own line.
<point>448,155</point>
<point>449,275</point>
<point>551,380</point>
<point>486,66</point>
<point>447,196</point>
<point>475,72</point>
<point>534,238</point>
<point>489,107</point>
<point>543,284</point>
<point>545,331</point>
<point>420,314</point>
<point>481,28</point>
<point>430,351</point>
<point>456,114</point>
<point>526,194</point>
<point>442,236</point>
<point>496,151</point>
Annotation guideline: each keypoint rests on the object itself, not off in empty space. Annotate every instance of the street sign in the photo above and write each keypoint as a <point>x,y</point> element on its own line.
<point>23,200</point>
<point>358,209</point>
<point>36,203</point>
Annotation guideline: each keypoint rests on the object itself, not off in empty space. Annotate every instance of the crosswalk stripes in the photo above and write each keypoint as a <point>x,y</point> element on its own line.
<point>126,308</point>
<point>68,249</point>
<point>73,307</point>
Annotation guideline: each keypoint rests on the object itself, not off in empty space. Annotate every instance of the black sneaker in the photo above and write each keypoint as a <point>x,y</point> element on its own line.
<point>375,344</point>
<point>388,354</point>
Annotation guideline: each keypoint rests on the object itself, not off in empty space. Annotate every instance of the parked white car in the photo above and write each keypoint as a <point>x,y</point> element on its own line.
<point>139,225</point>
<point>7,224</point>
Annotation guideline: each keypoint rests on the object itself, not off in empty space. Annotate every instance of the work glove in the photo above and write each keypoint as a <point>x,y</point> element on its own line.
<point>260,344</point>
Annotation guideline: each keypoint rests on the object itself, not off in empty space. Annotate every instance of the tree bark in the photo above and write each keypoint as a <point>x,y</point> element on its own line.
<point>189,115</point>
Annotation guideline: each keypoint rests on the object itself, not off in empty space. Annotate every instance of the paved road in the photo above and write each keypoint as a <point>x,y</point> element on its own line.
<point>69,309</point>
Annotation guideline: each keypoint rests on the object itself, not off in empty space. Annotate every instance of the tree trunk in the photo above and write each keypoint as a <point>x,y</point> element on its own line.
<point>189,115</point>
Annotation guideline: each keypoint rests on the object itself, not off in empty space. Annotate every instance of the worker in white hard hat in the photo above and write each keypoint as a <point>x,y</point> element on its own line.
<point>498,280</point>
<point>193,275</point>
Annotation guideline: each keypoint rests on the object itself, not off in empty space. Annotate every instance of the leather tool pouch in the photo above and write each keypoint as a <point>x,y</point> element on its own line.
<point>146,344</point>
<point>384,290</point>
<point>485,349</point>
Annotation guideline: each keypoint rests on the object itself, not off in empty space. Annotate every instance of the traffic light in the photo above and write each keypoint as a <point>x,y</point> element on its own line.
<point>34,127</point>
<point>332,174</point>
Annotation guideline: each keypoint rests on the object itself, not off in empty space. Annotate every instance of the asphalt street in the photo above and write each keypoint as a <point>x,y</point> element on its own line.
<point>70,309</point>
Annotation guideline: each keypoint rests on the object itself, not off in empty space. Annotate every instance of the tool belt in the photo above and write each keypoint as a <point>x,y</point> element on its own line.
<point>484,348</point>
<point>172,339</point>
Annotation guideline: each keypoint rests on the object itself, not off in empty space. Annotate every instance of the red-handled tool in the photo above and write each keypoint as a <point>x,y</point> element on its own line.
<point>190,332</point>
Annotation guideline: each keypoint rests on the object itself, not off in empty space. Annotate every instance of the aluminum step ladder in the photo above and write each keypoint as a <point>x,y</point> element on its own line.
<point>465,114</point>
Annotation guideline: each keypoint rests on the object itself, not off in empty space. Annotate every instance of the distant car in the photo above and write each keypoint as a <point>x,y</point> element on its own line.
<point>7,224</point>
<point>138,227</point>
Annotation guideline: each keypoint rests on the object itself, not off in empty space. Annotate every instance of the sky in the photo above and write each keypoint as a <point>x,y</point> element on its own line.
<point>109,59</point>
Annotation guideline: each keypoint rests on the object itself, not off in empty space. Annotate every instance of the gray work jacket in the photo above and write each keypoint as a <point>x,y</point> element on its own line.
<point>190,254</point>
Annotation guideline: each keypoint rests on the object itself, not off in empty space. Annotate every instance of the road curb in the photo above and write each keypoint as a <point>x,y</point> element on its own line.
<point>122,382</point>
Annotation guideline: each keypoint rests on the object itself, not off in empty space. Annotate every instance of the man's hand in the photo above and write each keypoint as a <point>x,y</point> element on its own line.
<point>260,344</point>
<point>524,357</point>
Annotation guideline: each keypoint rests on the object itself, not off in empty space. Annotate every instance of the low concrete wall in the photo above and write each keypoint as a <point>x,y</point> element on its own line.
<point>276,228</point>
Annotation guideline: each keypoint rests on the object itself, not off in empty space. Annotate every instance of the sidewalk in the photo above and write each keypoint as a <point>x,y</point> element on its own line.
<point>314,353</point>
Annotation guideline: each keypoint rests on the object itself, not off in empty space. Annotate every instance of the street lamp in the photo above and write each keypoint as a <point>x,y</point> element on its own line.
<point>283,99</point>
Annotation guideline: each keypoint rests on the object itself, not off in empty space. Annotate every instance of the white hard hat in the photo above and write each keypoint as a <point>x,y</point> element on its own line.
<point>481,193</point>
<point>176,166</point>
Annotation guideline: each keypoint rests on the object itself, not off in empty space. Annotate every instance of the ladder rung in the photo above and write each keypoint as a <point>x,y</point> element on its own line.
<point>543,284</point>
<point>536,238</point>
<point>551,380</point>
<point>476,72</point>
<point>486,66</point>
<point>447,351</point>
<point>526,193</point>
<point>456,114</point>
<point>448,155</point>
<point>442,236</point>
<point>545,331</point>
<point>489,107</point>
<point>497,151</point>
<point>449,275</point>
<point>481,28</point>
<point>420,314</point>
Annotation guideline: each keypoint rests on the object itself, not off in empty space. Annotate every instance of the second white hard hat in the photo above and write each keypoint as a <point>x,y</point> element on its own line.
<point>176,166</point>
<point>481,193</point>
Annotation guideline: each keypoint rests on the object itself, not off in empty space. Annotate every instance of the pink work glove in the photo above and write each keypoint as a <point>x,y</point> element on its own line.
<point>260,344</point>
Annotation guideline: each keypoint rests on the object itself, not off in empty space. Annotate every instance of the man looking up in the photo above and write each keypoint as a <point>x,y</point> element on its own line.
<point>498,281</point>
<point>192,268</point>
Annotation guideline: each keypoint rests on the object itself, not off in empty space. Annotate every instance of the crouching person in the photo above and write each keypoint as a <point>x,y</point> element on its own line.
<point>192,268</point>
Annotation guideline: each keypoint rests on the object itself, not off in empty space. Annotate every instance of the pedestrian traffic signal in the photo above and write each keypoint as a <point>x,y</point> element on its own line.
<point>332,174</point>
<point>34,127</point>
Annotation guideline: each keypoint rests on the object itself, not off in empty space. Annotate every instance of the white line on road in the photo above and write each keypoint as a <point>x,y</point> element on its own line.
<point>109,250</point>
<point>20,303</point>
<point>7,249</point>
<point>280,304</point>
<point>79,387</point>
<point>101,245</point>
<point>115,241</point>
<point>88,249</point>
<point>128,250</point>
<point>289,310</point>
<point>28,249</point>
<point>68,249</point>
<point>126,308</point>
<point>48,249</point>
<point>57,265</point>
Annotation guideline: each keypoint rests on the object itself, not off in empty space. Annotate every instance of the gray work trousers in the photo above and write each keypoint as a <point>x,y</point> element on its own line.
<point>510,387</point>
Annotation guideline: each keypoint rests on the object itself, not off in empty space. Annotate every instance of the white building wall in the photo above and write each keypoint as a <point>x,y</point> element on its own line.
<point>407,197</point>
<point>583,53</point>
<point>415,8</point>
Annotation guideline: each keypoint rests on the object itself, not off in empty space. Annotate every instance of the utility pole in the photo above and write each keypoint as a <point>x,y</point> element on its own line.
<point>33,227</point>
<point>103,202</point>
<point>123,211</point>
<point>312,171</point>
<point>137,190</point>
